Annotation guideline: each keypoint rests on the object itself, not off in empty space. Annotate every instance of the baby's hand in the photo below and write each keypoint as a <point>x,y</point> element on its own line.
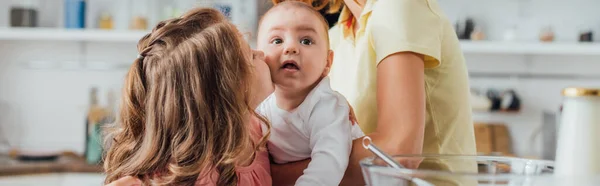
<point>352,115</point>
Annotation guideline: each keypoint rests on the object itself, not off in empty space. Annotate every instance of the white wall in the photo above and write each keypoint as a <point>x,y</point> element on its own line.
<point>538,93</point>
<point>45,108</point>
<point>567,17</point>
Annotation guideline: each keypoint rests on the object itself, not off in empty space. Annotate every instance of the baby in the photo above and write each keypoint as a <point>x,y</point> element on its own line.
<point>308,118</point>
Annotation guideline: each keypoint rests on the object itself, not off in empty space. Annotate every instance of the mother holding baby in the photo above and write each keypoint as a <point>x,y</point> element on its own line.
<point>400,65</point>
<point>398,62</point>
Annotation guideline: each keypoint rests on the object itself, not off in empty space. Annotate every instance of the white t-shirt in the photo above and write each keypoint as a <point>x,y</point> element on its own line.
<point>319,129</point>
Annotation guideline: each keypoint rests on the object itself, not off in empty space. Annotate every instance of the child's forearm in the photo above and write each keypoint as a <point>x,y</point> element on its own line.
<point>287,174</point>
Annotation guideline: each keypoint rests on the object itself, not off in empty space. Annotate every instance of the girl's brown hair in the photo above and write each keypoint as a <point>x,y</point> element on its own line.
<point>185,104</point>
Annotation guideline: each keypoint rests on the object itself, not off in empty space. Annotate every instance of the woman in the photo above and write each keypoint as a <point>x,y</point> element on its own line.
<point>399,63</point>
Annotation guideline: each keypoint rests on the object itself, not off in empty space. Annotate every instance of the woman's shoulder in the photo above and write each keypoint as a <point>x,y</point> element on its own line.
<point>400,13</point>
<point>423,6</point>
<point>334,36</point>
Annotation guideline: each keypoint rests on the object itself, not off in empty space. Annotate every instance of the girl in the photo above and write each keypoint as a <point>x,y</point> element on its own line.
<point>187,113</point>
<point>400,65</point>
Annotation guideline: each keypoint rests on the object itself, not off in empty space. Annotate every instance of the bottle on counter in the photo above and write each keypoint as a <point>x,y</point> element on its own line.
<point>96,116</point>
<point>578,145</point>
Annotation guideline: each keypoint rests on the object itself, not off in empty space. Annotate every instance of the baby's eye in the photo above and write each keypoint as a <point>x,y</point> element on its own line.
<point>306,42</point>
<point>276,41</point>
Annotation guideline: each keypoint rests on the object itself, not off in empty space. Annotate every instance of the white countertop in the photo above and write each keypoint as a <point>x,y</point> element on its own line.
<point>55,179</point>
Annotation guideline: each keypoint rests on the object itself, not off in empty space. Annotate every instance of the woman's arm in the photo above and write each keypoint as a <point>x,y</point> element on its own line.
<point>401,103</point>
<point>287,174</point>
<point>400,112</point>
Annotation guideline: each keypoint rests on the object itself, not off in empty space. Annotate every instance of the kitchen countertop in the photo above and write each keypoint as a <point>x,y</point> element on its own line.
<point>54,179</point>
<point>63,164</point>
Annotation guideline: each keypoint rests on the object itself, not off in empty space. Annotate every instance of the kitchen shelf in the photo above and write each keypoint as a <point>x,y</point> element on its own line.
<point>58,34</point>
<point>468,47</point>
<point>499,112</point>
<point>74,65</point>
<point>529,48</point>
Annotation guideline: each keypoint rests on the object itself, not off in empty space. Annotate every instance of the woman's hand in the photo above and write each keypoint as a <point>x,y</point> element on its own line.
<point>352,115</point>
<point>287,174</point>
<point>126,181</point>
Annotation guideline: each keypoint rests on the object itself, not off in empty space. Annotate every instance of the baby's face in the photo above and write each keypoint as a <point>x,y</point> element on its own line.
<point>295,44</point>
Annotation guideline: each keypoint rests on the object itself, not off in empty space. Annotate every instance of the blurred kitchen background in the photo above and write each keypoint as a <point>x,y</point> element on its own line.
<point>62,64</point>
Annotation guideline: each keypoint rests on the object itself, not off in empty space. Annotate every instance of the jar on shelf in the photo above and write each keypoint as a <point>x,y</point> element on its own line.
<point>477,34</point>
<point>139,15</point>
<point>105,21</point>
<point>24,13</point>
<point>547,34</point>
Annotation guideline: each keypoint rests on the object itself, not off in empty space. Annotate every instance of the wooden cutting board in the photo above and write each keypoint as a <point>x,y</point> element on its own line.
<point>492,138</point>
<point>483,139</point>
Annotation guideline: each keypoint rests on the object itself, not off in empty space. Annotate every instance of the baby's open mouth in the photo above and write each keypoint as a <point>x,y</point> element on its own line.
<point>290,65</point>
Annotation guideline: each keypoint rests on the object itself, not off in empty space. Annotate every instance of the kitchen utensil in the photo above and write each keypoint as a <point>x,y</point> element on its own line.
<point>367,144</point>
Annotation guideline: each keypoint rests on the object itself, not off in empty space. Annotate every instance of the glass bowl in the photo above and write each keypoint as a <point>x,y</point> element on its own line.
<point>458,170</point>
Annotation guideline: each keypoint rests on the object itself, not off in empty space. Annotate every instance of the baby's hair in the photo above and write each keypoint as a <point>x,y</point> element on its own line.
<point>302,5</point>
<point>334,5</point>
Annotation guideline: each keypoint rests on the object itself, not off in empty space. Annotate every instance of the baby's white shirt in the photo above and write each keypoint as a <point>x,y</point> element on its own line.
<point>319,129</point>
